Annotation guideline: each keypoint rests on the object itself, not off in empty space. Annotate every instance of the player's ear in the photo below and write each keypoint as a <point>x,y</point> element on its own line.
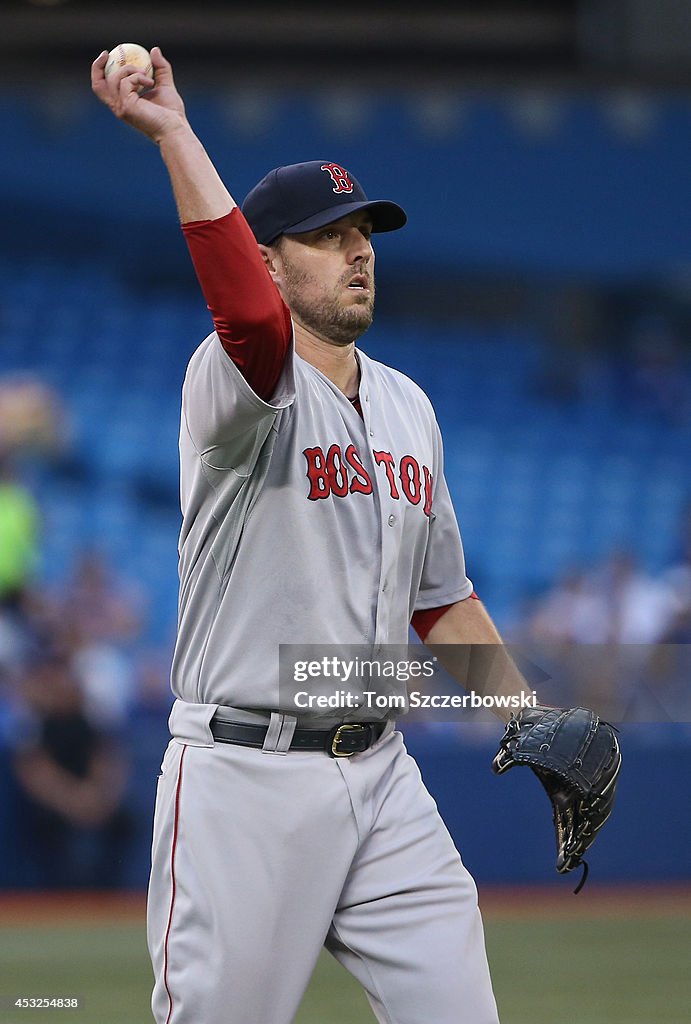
<point>272,261</point>
<point>267,254</point>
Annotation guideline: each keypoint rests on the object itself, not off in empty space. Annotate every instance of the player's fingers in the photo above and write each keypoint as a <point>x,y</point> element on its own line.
<point>98,74</point>
<point>108,87</point>
<point>162,67</point>
<point>133,82</point>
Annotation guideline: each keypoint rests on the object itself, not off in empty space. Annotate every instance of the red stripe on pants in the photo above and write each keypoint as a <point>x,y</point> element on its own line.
<point>172,877</point>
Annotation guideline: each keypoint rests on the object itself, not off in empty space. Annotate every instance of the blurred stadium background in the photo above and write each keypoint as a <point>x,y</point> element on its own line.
<point>541,294</point>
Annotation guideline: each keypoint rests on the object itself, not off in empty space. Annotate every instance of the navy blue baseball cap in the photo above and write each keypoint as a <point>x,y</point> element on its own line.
<point>302,197</point>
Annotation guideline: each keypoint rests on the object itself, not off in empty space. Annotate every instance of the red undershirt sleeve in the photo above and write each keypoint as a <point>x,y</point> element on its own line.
<point>250,317</point>
<point>423,621</point>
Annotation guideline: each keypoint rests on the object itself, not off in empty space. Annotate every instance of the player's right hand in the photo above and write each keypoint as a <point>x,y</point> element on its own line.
<point>155,112</point>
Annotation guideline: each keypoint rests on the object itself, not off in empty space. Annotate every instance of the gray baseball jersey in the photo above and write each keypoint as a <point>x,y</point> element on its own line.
<point>304,522</point>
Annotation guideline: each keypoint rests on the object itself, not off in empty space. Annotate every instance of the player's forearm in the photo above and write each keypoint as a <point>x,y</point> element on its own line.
<point>151,104</point>
<point>468,645</point>
<point>199,192</point>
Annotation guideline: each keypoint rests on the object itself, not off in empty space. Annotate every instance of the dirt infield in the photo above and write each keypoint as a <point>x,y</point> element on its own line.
<point>29,908</point>
<point>535,902</point>
<point>611,901</point>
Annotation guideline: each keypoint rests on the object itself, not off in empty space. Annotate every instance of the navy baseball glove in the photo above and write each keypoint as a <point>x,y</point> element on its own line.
<point>576,757</point>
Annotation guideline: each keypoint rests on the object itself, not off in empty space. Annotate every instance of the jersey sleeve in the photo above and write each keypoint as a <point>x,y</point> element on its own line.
<point>423,621</point>
<point>251,319</point>
<point>224,418</point>
<point>444,579</point>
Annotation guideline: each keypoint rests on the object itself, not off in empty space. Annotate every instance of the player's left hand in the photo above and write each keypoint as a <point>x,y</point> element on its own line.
<point>577,759</point>
<point>156,111</point>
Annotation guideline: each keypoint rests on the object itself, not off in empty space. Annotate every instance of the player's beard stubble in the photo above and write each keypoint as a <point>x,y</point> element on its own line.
<point>329,316</point>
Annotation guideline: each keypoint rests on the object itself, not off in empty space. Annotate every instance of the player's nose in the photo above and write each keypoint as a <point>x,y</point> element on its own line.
<point>360,247</point>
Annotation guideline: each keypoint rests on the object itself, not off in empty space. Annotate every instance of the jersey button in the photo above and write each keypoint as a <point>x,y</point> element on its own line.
<point>392,520</point>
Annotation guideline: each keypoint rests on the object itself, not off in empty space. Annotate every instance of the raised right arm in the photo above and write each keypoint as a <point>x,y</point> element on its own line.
<point>252,321</point>
<point>160,115</point>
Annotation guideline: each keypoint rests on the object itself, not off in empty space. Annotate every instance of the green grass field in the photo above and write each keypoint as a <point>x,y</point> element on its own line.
<point>552,964</point>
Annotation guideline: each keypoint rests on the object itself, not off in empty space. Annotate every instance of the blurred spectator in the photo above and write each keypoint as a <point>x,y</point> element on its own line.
<point>572,612</point>
<point>638,608</point>
<point>17,642</point>
<point>615,603</point>
<point>670,669</point>
<point>677,579</point>
<point>154,696</point>
<point>597,633</point>
<point>19,533</point>
<point>98,605</point>
<point>99,616</point>
<point>31,417</point>
<point>72,777</point>
<point>31,420</point>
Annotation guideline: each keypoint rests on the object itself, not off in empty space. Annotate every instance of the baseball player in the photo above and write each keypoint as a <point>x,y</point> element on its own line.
<point>314,510</point>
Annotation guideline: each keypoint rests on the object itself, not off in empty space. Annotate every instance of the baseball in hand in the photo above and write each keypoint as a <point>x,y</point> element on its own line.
<point>129,53</point>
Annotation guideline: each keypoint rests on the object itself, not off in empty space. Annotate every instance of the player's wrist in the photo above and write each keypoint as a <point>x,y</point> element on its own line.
<point>174,131</point>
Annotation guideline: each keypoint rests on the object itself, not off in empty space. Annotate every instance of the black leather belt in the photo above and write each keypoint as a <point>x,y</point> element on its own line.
<point>341,741</point>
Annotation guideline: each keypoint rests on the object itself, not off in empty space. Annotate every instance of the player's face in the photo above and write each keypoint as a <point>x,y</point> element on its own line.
<point>327,278</point>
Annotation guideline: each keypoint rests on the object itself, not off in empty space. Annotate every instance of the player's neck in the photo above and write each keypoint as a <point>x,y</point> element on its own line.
<point>337,362</point>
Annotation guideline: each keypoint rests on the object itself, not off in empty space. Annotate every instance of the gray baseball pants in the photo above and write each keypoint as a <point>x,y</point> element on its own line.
<point>259,860</point>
